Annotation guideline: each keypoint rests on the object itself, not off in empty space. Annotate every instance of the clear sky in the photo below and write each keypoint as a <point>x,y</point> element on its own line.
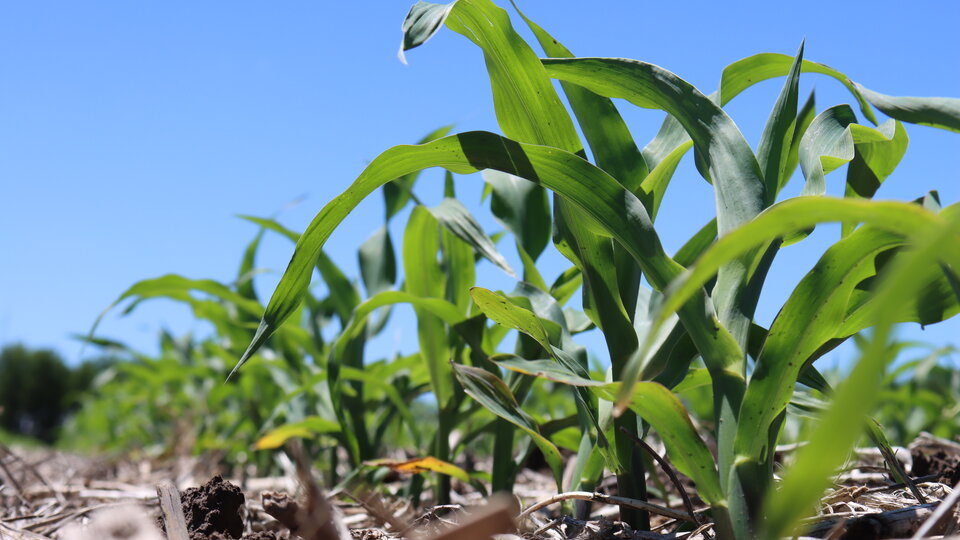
<point>131,133</point>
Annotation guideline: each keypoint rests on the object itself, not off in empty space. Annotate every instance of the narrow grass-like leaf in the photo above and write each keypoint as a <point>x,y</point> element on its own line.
<point>567,283</point>
<point>496,397</point>
<point>748,71</point>
<point>808,319</point>
<point>397,194</point>
<point>343,294</point>
<point>458,262</point>
<point>377,381</point>
<point>773,152</point>
<point>546,369</point>
<point>173,285</point>
<point>501,310</point>
<point>943,113</point>
<point>614,149</point>
<point>733,169</point>
<point>527,107</point>
<point>244,282</point>
<point>661,408</point>
<point>792,215</point>
<point>424,277</point>
<point>522,207</point>
<point>617,213</point>
<point>531,274</point>
<point>697,244</point>
<point>456,218</point>
<point>378,262</point>
<point>933,302</point>
<point>654,186</point>
<point>839,429</point>
<point>804,118</point>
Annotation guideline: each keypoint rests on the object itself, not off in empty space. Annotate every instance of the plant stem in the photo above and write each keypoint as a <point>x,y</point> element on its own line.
<point>446,419</point>
<point>503,465</point>
<point>631,482</point>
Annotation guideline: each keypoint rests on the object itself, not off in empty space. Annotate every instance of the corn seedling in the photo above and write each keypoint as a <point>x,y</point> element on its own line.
<point>896,262</point>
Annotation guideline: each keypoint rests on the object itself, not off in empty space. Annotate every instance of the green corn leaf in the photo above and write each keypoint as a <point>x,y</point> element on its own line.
<point>437,307</point>
<point>531,274</point>
<point>378,262</point>
<point>602,303</point>
<point>748,71</point>
<point>808,319</point>
<point>458,262</point>
<point>577,322</point>
<point>793,215</point>
<point>878,152</point>
<point>773,152</point>
<point>656,405</point>
<point>422,21</point>
<point>546,369</point>
<point>247,268</point>
<point>736,78</point>
<point>696,378</point>
<point>527,107</point>
<point>697,244</point>
<point>343,294</point>
<point>804,118</point>
<point>934,302</point>
<point>424,277</point>
<point>397,194</point>
<point>616,153</point>
<point>613,147</point>
<point>834,139</point>
<point>522,208</point>
<point>616,212</point>
<point>567,283</point>
<point>826,145</point>
<point>458,220</point>
<point>491,392</point>
<point>175,287</point>
<point>661,408</point>
<point>377,381</point>
<point>654,186</point>
<point>668,335</point>
<point>840,427</point>
<point>733,168</point>
<point>736,176</point>
<point>272,225</point>
<point>501,310</point>
<point>943,113</point>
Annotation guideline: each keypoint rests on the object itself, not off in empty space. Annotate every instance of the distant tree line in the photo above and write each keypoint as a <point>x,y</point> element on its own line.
<point>38,390</point>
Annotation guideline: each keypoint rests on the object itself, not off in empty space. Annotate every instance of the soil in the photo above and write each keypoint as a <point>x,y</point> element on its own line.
<point>939,462</point>
<point>52,495</point>
<point>213,511</point>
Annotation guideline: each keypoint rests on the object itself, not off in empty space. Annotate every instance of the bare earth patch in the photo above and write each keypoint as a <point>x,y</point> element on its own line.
<point>46,494</point>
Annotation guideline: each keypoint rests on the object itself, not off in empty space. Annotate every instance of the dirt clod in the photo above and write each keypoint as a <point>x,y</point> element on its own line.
<point>213,510</point>
<point>939,462</point>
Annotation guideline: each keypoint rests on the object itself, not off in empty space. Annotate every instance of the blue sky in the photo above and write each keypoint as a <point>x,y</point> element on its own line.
<point>132,133</point>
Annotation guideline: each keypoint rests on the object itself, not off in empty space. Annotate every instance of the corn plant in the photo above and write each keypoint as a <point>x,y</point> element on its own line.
<point>896,262</point>
<point>329,388</point>
<point>149,402</point>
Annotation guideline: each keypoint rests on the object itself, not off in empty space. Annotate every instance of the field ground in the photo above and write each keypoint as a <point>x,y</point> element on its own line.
<point>47,494</point>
